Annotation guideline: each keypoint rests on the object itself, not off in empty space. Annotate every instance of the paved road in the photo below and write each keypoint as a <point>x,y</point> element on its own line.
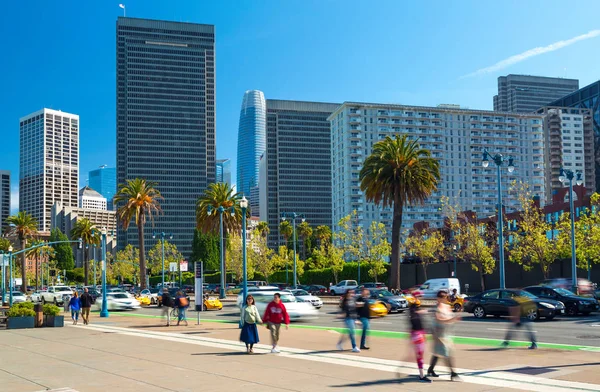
<point>584,331</point>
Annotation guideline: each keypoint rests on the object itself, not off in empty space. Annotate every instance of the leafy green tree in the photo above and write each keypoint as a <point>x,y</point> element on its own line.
<point>398,173</point>
<point>376,250</point>
<point>304,231</point>
<point>261,255</point>
<point>4,244</point>
<point>24,226</point>
<point>286,231</point>
<point>427,246</point>
<point>234,257</point>
<point>172,255</point>
<point>125,266</point>
<point>263,229</point>
<point>63,252</point>
<point>38,252</point>
<point>475,249</point>
<point>323,234</point>
<point>90,235</point>
<point>205,247</point>
<point>138,200</point>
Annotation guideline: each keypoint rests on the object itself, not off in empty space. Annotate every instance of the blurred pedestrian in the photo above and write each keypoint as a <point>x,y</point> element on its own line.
<point>442,342</point>
<point>364,314</point>
<point>86,305</point>
<point>518,316</point>
<point>349,315</point>
<point>275,314</point>
<point>75,306</point>
<point>182,303</point>
<point>249,318</point>
<point>167,304</point>
<point>417,338</point>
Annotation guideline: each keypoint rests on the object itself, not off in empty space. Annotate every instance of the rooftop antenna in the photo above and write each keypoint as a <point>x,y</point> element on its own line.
<point>123,7</point>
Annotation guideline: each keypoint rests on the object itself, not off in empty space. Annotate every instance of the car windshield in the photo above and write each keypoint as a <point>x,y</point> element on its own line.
<point>384,293</point>
<point>300,292</point>
<point>62,288</point>
<point>523,293</point>
<point>119,295</point>
<point>17,294</point>
<point>564,292</point>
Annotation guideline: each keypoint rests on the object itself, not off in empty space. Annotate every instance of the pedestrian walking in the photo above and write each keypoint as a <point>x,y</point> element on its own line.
<point>518,316</point>
<point>249,318</point>
<point>182,303</point>
<point>274,316</point>
<point>364,314</point>
<point>442,342</point>
<point>349,315</point>
<point>167,304</point>
<point>417,339</point>
<point>75,306</point>
<point>86,305</point>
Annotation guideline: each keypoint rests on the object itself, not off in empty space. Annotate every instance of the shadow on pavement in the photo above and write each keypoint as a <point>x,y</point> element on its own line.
<point>487,349</point>
<point>533,370</point>
<point>389,381</point>
<point>229,354</point>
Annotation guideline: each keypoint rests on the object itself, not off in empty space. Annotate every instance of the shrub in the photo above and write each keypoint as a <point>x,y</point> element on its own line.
<point>51,310</point>
<point>19,311</point>
<point>23,305</point>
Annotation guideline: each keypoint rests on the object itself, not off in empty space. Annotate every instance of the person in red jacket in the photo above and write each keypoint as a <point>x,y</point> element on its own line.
<point>274,316</point>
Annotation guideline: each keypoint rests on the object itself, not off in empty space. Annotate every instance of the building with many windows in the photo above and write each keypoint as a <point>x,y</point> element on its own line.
<point>4,199</point>
<point>456,138</point>
<point>166,118</point>
<point>567,132</point>
<point>526,93</point>
<point>297,167</point>
<point>90,199</point>
<point>224,171</point>
<point>104,181</point>
<point>49,163</point>
<point>251,140</point>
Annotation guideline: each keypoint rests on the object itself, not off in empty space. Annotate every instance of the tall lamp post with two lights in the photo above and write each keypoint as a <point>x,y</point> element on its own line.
<point>293,216</point>
<point>162,241</point>
<point>568,175</point>
<point>498,159</point>
<point>221,209</point>
<point>244,206</point>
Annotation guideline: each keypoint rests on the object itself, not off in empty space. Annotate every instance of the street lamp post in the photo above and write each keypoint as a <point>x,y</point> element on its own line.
<point>244,206</point>
<point>293,216</point>
<point>3,276</point>
<point>499,160</point>
<point>221,209</point>
<point>454,248</point>
<point>568,175</point>
<point>162,241</point>
<point>10,276</point>
<point>104,311</point>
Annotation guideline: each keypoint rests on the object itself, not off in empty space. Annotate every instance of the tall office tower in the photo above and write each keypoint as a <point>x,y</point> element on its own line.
<point>251,140</point>
<point>456,138</point>
<point>254,201</point>
<point>298,163</point>
<point>49,163</point>
<point>224,171</point>
<point>526,94</point>
<point>567,132</point>
<point>587,97</point>
<point>92,200</point>
<point>104,181</point>
<point>166,118</point>
<point>4,199</point>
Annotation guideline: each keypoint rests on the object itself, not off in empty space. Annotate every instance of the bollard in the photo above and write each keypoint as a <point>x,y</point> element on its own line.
<point>39,315</point>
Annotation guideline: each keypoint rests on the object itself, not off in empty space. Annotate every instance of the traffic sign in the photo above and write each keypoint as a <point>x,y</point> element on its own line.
<point>172,267</point>
<point>183,266</point>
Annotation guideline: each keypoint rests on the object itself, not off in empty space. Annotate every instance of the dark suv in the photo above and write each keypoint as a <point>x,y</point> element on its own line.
<point>574,304</point>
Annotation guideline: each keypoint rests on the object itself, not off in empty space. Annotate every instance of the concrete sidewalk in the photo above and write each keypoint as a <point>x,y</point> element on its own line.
<point>139,354</point>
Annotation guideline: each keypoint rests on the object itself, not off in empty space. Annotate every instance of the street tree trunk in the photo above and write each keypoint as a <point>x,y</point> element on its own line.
<point>394,279</point>
<point>140,226</point>
<point>482,279</point>
<point>37,265</point>
<point>424,269</point>
<point>86,269</point>
<point>23,268</point>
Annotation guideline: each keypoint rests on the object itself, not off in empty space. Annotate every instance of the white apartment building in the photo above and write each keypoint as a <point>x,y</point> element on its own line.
<point>456,138</point>
<point>569,140</point>
<point>90,199</point>
<point>49,163</point>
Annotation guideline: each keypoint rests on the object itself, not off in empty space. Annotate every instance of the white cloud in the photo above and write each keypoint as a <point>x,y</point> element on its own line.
<point>532,53</point>
<point>14,199</point>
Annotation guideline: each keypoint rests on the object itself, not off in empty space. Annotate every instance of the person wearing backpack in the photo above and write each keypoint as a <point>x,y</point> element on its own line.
<point>249,318</point>
<point>182,303</point>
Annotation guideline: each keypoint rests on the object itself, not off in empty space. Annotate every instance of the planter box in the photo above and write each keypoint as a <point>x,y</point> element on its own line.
<point>54,321</point>
<point>20,322</point>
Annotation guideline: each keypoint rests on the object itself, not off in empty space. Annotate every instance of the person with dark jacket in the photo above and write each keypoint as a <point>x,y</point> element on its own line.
<point>364,314</point>
<point>86,305</point>
<point>167,304</point>
<point>349,315</point>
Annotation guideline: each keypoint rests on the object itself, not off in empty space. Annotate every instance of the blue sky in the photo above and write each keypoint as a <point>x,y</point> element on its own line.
<point>61,55</point>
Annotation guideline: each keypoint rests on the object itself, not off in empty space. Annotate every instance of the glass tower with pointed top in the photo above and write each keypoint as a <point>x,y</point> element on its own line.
<point>251,140</point>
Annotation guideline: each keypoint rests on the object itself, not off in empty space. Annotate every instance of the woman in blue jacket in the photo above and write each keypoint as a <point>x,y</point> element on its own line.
<point>75,305</point>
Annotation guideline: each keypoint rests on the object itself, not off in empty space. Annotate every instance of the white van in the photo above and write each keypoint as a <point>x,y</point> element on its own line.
<point>430,288</point>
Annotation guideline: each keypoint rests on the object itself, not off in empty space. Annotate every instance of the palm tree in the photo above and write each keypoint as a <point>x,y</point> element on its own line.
<point>304,231</point>
<point>89,235</point>
<point>263,229</point>
<point>36,253</point>
<point>397,173</point>
<point>323,234</point>
<point>286,230</point>
<point>24,226</point>
<point>138,200</point>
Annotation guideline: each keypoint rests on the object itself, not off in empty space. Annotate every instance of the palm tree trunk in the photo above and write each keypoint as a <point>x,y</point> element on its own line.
<point>395,259</point>
<point>142,253</point>
<point>85,266</point>
<point>23,268</point>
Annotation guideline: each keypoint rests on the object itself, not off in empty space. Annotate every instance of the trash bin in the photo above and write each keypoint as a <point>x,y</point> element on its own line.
<point>39,315</point>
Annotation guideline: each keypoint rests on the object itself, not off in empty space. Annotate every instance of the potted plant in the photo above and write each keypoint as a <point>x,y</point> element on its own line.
<point>21,316</point>
<point>52,317</point>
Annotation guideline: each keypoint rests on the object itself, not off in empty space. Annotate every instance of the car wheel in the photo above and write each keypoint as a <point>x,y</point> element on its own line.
<point>532,315</point>
<point>55,302</point>
<point>479,312</point>
<point>457,307</point>
<point>572,310</point>
<point>585,313</point>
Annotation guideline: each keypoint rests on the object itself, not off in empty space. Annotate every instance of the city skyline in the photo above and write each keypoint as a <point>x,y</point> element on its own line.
<point>427,84</point>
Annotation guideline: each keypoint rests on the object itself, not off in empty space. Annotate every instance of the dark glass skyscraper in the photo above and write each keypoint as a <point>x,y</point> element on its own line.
<point>104,181</point>
<point>251,140</point>
<point>166,118</point>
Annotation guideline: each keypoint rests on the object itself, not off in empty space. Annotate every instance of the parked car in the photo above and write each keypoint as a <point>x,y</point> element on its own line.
<point>151,294</point>
<point>342,287</point>
<point>257,283</point>
<point>118,301</point>
<point>316,289</point>
<point>371,286</point>
<point>296,310</point>
<point>431,287</point>
<point>393,303</point>
<point>18,297</point>
<point>584,286</point>
<point>305,296</point>
<point>36,296</point>
<point>574,304</point>
<point>211,288</point>
<point>92,292</point>
<point>498,303</point>
<point>283,286</point>
<point>55,294</point>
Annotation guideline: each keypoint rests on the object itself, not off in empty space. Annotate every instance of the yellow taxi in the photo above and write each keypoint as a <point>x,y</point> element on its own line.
<point>378,309</point>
